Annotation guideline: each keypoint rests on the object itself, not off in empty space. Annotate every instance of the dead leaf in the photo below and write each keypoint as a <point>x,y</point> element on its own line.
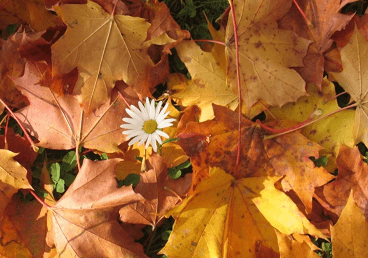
<point>266,53</point>
<point>65,125</point>
<point>85,219</point>
<point>208,83</point>
<point>291,248</point>
<point>226,217</point>
<point>353,80</point>
<point>215,143</point>
<point>349,235</point>
<point>117,44</point>
<point>161,193</point>
<point>324,19</point>
<point>353,175</point>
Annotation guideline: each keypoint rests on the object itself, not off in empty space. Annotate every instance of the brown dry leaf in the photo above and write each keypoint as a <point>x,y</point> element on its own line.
<point>85,220</point>
<point>208,83</point>
<point>292,248</point>
<point>105,48</point>
<point>215,143</point>
<point>32,12</point>
<point>350,234</point>
<point>28,220</point>
<point>226,217</point>
<point>266,53</point>
<point>354,79</point>
<point>324,19</point>
<point>65,125</point>
<point>353,175</point>
<point>161,193</point>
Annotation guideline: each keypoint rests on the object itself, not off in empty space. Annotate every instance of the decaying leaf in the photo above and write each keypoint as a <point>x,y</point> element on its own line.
<point>323,19</point>
<point>266,53</point>
<point>215,143</point>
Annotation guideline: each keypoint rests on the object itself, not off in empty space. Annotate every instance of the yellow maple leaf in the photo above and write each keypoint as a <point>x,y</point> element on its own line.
<point>354,79</point>
<point>208,84</point>
<point>349,235</point>
<point>105,48</point>
<point>266,53</point>
<point>330,132</point>
<point>234,218</point>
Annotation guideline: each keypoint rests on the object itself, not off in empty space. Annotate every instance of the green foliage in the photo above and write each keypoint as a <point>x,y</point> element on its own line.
<point>176,172</point>
<point>320,162</point>
<point>131,179</point>
<point>326,248</point>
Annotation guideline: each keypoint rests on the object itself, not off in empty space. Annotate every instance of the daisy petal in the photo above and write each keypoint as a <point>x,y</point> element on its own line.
<point>143,139</point>
<point>161,133</point>
<point>132,121</point>
<point>136,139</point>
<point>158,110</point>
<point>152,110</point>
<point>154,146</point>
<point>143,111</point>
<point>137,111</point>
<point>135,116</point>
<point>130,126</point>
<point>157,137</point>
<point>148,140</point>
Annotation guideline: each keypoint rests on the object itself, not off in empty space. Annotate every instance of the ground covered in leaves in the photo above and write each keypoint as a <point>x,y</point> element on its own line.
<point>267,156</point>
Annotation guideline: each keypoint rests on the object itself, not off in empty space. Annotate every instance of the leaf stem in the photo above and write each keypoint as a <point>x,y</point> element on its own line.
<point>239,82</point>
<point>211,41</point>
<point>289,130</point>
<point>309,23</point>
<point>77,157</point>
<point>39,199</point>
<point>34,147</point>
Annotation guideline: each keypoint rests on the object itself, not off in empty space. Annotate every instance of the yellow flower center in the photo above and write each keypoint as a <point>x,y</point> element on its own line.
<point>150,126</point>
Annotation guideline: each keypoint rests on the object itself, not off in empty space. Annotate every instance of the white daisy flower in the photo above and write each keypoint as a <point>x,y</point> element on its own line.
<point>145,123</point>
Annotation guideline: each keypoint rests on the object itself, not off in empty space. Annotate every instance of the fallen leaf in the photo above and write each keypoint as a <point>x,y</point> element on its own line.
<point>266,53</point>
<point>161,193</point>
<point>353,175</point>
<point>291,248</point>
<point>215,143</point>
<point>323,20</point>
<point>65,125</point>
<point>107,37</point>
<point>12,177</point>
<point>226,217</point>
<point>85,219</point>
<point>349,235</point>
<point>320,132</point>
<point>353,80</point>
<point>208,83</point>
<point>32,12</point>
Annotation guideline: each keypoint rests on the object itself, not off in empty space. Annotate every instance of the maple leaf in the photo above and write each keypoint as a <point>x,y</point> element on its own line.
<point>85,219</point>
<point>158,190</point>
<point>349,235</point>
<point>234,218</point>
<point>215,143</point>
<point>323,20</point>
<point>12,177</point>
<point>354,80</point>
<point>117,44</point>
<point>353,175</point>
<point>290,247</point>
<point>208,83</point>
<point>321,132</point>
<point>60,123</point>
<point>266,53</point>
<point>32,12</point>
